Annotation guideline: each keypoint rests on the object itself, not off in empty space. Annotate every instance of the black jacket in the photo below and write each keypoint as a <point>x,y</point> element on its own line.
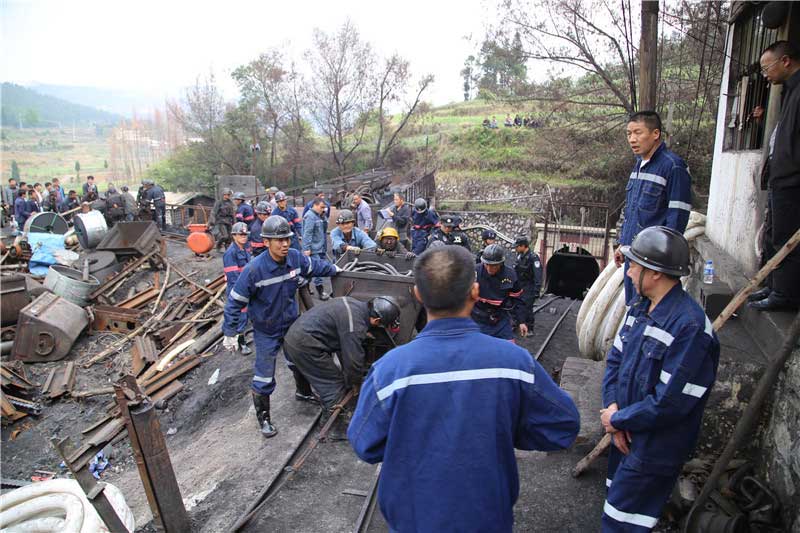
<point>339,326</point>
<point>784,164</point>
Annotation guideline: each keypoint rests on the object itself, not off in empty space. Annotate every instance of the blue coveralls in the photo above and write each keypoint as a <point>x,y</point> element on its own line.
<point>21,212</point>
<point>444,413</point>
<point>257,244</point>
<point>659,372</point>
<point>358,238</point>
<point>155,194</point>
<point>233,262</point>
<point>658,194</point>
<point>423,223</point>
<point>529,273</point>
<point>268,290</point>
<point>295,223</point>
<point>315,239</point>
<point>245,213</point>
<point>499,300</point>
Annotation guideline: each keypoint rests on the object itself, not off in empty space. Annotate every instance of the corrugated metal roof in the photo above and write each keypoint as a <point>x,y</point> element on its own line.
<point>180,198</point>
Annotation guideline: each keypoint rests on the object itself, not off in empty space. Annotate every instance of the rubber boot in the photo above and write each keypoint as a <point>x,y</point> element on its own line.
<point>321,293</point>
<point>244,349</point>
<point>261,403</point>
<point>303,392</point>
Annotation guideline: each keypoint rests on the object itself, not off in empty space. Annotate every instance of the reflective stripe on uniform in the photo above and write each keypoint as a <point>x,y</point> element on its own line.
<point>689,389</point>
<point>490,302</point>
<point>278,279</point>
<point>262,380</point>
<point>709,329</point>
<point>630,320</point>
<point>659,335</point>
<point>608,482</point>
<point>618,343</point>
<point>349,315</point>
<point>629,518</point>
<point>233,269</point>
<point>674,204</point>
<point>458,375</point>
<point>654,178</point>
<point>236,296</point>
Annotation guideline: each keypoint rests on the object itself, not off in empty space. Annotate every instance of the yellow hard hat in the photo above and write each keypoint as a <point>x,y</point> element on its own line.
<point>389,232</point>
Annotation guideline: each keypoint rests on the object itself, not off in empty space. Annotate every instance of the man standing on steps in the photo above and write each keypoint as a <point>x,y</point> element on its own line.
<point>659,187</point>
<point>267,287</point>
<point>659,373</point>
<point>780,64</point>
<point>233,262</point>
<point>315,239</point>
<point>424,220</point>
<point>445,412</point>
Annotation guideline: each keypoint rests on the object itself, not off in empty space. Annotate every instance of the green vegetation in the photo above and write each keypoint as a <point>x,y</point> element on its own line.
<point>25,108</point>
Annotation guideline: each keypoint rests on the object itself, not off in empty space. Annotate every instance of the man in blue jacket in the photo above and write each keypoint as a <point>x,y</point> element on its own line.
<point>499,296</point>
<point>659,373</point>
<point>446,411</point>
<point>528,268</point>
<point>257,244</point>
<point>244,211</point>
<point>345,236</point>
<point>424,220</point>
<point>267,287</point>
<point>290,214</point>
<point>234,260</point>
<point>659,187</point>
<point>315,238</point>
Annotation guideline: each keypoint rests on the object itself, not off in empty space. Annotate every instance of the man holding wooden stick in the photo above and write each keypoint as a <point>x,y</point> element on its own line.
<point>659,373</point>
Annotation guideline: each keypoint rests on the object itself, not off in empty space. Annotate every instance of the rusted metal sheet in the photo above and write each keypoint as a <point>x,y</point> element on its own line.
<point>138,300</point>
<point>118,319</point>
<point>143,351</point>
<point>10,413</point>
<point>105,432</point>
<point>162,379</point>
<point>132,238</point>
<point>60,381</point>
<point>13,297</point>
<point>199,296</point>
<point>167,392</point>
<point>113,281</point>
<point>47,328</point>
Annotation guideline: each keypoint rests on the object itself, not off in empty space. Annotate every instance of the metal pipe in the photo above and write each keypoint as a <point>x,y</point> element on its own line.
<point>553,331</point>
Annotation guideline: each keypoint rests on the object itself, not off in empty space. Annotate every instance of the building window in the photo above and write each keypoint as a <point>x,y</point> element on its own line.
<point>747,88</point>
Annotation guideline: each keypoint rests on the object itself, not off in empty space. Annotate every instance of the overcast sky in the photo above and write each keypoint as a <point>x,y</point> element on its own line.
<point>160,46</point>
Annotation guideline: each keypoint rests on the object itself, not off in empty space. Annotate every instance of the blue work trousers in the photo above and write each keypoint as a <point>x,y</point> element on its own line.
<point>501,330</point>
<point>267,347</point>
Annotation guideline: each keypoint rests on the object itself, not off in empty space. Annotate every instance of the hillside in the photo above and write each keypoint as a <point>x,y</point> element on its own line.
<point>21,105</point>
<point>120,102</point>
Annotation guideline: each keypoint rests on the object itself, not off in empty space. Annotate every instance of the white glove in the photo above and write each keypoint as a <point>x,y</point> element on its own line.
<point>355,249</point>
<point>338,268</point>
<point>231,343</point>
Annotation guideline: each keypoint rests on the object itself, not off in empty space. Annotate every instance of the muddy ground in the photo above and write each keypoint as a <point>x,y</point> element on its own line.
<point>222,462</point>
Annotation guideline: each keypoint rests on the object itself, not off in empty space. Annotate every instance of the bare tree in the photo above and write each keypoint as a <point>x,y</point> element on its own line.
<point>384,121</point>
<point>339,98</point>
<point>293,102</point>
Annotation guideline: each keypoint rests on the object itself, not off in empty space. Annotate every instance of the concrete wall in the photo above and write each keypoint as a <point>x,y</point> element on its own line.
<point>735,206</point>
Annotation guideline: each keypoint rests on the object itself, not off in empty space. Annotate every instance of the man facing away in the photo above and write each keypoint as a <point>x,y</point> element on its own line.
<point>445,412</point>
<point>658,192</point>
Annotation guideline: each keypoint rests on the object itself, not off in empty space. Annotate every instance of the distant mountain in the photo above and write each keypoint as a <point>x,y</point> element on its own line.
<point>30,108</point>
<point>112,100</point>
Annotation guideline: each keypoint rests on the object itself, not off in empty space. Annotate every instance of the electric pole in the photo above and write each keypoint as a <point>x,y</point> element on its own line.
<point>648,51</point>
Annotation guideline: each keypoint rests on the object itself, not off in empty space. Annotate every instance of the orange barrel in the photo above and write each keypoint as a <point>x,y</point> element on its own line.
<point>199,240</point>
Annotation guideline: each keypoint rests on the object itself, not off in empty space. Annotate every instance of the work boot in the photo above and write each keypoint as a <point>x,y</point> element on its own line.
<point>303,392</point>
<point>338,430</point>
<point>775,302</point>
<point>321,293</point>
<point>244,349</point>
<point>261,403</point>
<point>760,294</point>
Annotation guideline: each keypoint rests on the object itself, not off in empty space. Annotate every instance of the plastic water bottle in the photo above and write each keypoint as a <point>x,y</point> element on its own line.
<point>708,272</point>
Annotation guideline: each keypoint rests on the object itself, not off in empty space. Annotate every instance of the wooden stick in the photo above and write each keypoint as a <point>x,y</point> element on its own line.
<point>92,392</point>
<point>187,278</point>
<point>161,365</point>
<point>197,315</point>
<point>584,463</point>
<point>742,295</point>
<point>163,288</point>
<point>108,351</point>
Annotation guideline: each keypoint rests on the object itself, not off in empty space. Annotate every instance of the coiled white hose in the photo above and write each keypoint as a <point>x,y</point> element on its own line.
<point>603,309</point>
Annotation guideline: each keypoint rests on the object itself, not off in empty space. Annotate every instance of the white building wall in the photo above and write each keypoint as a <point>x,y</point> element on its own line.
<point>734,209</point>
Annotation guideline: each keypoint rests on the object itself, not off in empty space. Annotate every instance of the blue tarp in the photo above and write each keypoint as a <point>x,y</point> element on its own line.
<point>43,245</point>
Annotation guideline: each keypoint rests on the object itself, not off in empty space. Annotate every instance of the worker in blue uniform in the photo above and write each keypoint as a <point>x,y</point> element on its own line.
<point>528,267</point>
<point>423,220</point>
<point>315,240</point>
<point>267,287</point>
<point>234,260</point>
<point>658,192</point>
<point>153,195</point>
<point>345,236</point>
<point>659,373</point>
<point>257,244</point>
<point>450,233</point>
<point>499,299</point>
<point>290,214</point>
<point>445,412</point>
<point>244,211</point>
<point>488,237</point>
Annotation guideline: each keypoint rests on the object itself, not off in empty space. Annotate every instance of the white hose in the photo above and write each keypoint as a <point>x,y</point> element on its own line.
<point>616,313</point>
<point>591,296</point>
<point>597,312</point>
<point>58,505</point>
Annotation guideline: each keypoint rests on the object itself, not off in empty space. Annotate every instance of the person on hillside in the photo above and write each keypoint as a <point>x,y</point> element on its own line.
<point>780,64</point>
<point>445,412</point>
<point>517,121</point>
<point>222,218</point>
<point>499,304</point>
<point>234,260</point>
<point>509,122</point>
<point>257,244</point>
<point>315,238</point>
<point>290,214</point>
<point>425,220</point>
<point>494,123</point>
<point>267,287</point>
<point>89,187</point>
<point>659,373</point>
<point>659,187</point>
<point>345,236</point>
<point>486,123</point>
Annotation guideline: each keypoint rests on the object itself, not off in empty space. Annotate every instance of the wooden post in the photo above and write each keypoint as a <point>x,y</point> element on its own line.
<point>648,52</point>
